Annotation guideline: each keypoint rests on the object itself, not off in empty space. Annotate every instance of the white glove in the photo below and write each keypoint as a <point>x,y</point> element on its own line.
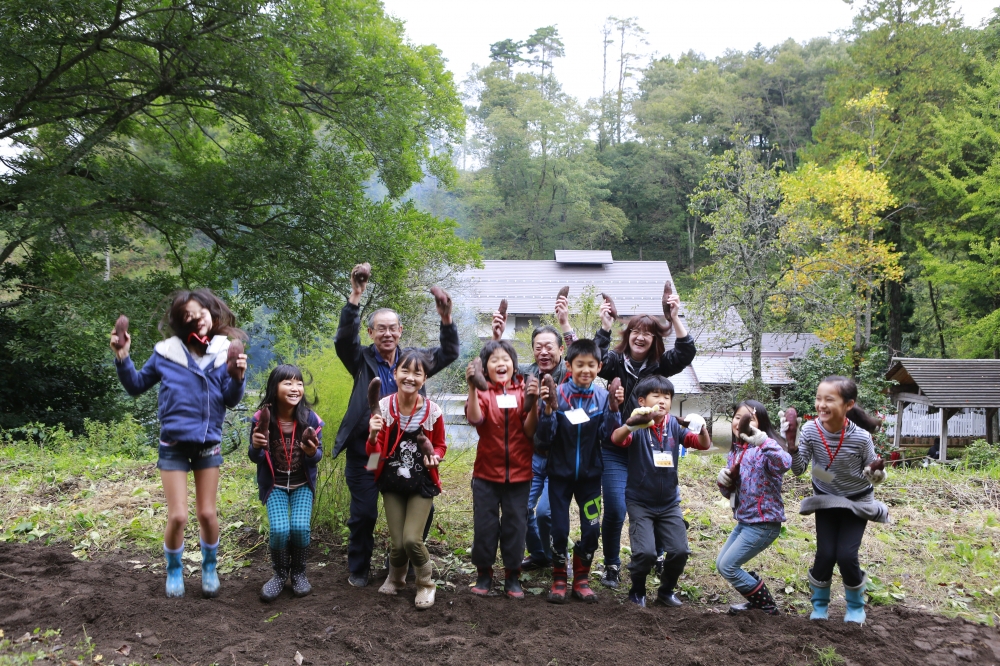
<point>755,438</point>
<point>725,479</point>
<point>695,423</point>
<point>874,477</point>
<point>783,430</point>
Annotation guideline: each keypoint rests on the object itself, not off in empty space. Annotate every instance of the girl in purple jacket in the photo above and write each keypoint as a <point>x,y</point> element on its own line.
<point>752,483</point>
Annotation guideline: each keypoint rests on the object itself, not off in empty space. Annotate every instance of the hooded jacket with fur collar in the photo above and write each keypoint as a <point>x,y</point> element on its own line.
<point>192,402</point>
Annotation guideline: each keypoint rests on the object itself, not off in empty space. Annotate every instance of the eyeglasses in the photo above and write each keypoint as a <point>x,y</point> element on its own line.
<point>387,329</point>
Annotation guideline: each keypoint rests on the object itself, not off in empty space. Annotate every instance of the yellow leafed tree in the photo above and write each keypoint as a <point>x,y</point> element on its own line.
<point>834,215</point>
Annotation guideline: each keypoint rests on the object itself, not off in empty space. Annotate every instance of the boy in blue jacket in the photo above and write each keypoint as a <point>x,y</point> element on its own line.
<point>574,421</point>
<point>652,437</point>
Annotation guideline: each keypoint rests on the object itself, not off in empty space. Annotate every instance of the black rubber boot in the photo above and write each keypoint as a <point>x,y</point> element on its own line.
<point>611,576</point>
<point>512,584</point>
<point>300,584</point>
<point>274,587</point>
<point>672,570</point>
<point>484,583</point>
<point>745,606</point>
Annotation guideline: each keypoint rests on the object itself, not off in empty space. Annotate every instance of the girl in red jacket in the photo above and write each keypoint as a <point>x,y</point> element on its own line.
<point>407,435</point>
<point>502,410</point>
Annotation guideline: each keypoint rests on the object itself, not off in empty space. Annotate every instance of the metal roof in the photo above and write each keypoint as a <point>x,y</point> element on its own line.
<point>530,287</point>
<point>584,257</point>
<point>950,382</point>
<point>732,367</point>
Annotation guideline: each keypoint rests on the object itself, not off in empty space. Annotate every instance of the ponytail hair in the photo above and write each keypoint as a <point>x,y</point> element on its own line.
<point>848,391</point>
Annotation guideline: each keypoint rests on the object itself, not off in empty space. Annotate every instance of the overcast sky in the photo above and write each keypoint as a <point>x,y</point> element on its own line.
<point>464,29</point>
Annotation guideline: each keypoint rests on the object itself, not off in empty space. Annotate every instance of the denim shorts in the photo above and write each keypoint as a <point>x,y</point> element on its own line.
<point>188,456</point>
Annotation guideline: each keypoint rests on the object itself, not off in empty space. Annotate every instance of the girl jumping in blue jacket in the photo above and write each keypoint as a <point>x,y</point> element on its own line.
<point>198,381</point>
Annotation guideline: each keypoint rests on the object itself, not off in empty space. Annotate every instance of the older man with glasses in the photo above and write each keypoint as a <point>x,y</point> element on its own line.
<point>366,363</point>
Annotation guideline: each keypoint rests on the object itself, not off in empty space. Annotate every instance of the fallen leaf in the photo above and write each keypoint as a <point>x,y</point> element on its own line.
<point>298,658</point>
<point>124,650</point>
<point>74,662</point>
<point>24,639</point>
<point>789,589</point>
<point>98,658</point>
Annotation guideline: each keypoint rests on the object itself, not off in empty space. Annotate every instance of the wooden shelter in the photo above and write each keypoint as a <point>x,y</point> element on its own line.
<point>950,386</point>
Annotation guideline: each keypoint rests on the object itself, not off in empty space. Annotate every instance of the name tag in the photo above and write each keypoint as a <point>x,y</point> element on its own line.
<point>506,401</point>
<point>822,474</point>
<point>372,462</point>
<point>577,416</point>
<point>663,459</point>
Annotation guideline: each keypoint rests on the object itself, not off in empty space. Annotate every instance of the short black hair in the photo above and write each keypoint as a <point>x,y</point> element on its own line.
<point>547,328</point>
<point>582,347</point>
<point>653,384</point>
<point>492,346</point>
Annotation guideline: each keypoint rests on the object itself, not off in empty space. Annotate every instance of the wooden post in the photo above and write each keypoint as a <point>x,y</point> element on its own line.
<point>991,413</point>
<point>945,415</point>
<point>897,438</point>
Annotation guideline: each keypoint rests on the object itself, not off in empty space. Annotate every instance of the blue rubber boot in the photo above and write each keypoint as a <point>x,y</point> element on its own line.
<point>820,598</point>
<point>855,602</point>
<point>175,571</point>
<point>209,576</point>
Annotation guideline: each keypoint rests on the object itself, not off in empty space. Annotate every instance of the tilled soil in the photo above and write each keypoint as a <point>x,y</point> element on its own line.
<point>118,605</point>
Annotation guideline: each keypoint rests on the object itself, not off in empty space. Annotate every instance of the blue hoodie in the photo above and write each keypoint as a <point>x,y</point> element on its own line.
<point>574,451</point>
<point>192,402</point>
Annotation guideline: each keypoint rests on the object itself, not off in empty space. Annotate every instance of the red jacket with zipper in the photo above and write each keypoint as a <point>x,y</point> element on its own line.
<point>504,451</point>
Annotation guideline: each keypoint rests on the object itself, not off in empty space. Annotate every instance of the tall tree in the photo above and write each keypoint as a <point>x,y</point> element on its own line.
<point>237,136</point>
<point>916,51</point>
<point>739,198</point>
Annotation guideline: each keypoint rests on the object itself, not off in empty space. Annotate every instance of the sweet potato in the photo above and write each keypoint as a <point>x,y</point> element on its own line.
<point>503,308</point>
<point>668,291</point>
<point>235,349</point>
<point>552,402</point>
<point>441,297</point>
<point>564,292</point>
<point>529,400</point>
<point>611,303</point>
<point>424,444</point>
<point>264,421</point>
<point>613,387</point>
<point>374,393</point>
<point>121,328</point>
<point>640,419</point>
<point>478,378</point>
<point>309,437</point>
<point>361,274</point>
<point>878,463</point>
<point>792,417</point>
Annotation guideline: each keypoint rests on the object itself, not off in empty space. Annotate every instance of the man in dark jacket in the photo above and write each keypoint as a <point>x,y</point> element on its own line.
<point>365,363</point>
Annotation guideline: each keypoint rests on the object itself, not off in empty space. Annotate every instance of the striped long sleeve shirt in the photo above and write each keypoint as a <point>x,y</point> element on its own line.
<point>856,452</point>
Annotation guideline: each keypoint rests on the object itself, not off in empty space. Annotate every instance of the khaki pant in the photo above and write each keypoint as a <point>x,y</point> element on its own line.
<point>406,516</point>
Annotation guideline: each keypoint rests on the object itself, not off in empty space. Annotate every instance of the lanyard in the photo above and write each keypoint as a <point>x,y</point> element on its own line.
<point>401,429</point>
<point>288,451</point>
<point>833,454</point>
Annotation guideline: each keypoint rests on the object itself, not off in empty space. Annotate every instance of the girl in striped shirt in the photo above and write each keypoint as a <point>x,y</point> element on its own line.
<point>845,470</point>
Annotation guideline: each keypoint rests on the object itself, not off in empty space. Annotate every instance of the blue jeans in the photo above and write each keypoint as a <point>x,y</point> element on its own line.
<point>539,516</point>
<point>613,494</point>
<point>744,543</point>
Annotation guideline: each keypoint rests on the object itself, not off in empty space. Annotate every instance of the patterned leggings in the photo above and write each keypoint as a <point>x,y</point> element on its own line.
<point>290,513</point>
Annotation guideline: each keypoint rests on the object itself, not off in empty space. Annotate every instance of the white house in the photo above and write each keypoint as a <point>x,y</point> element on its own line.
<point>530,288</point>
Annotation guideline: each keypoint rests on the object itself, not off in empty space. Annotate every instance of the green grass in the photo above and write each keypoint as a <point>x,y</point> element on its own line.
<point>94,496</point>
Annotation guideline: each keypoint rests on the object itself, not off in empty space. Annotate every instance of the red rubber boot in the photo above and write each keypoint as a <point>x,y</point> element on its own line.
<point>581,579</point>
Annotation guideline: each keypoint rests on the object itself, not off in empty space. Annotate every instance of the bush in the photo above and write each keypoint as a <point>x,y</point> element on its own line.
<point>126,437</point>
<point>981,454</point>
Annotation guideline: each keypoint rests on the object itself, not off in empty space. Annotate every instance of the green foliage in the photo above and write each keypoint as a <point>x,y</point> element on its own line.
<point>331,385</point>
<point>205,145</point>
<point>820,362</point>
<point>981,455</point>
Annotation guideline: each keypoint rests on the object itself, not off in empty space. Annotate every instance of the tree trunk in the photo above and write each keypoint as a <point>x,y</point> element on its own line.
<point>894,296</point>
<point>937,319</point>
<point>756,343</point>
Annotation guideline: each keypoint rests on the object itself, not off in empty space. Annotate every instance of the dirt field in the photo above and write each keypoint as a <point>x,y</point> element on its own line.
<point>118,604</point>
